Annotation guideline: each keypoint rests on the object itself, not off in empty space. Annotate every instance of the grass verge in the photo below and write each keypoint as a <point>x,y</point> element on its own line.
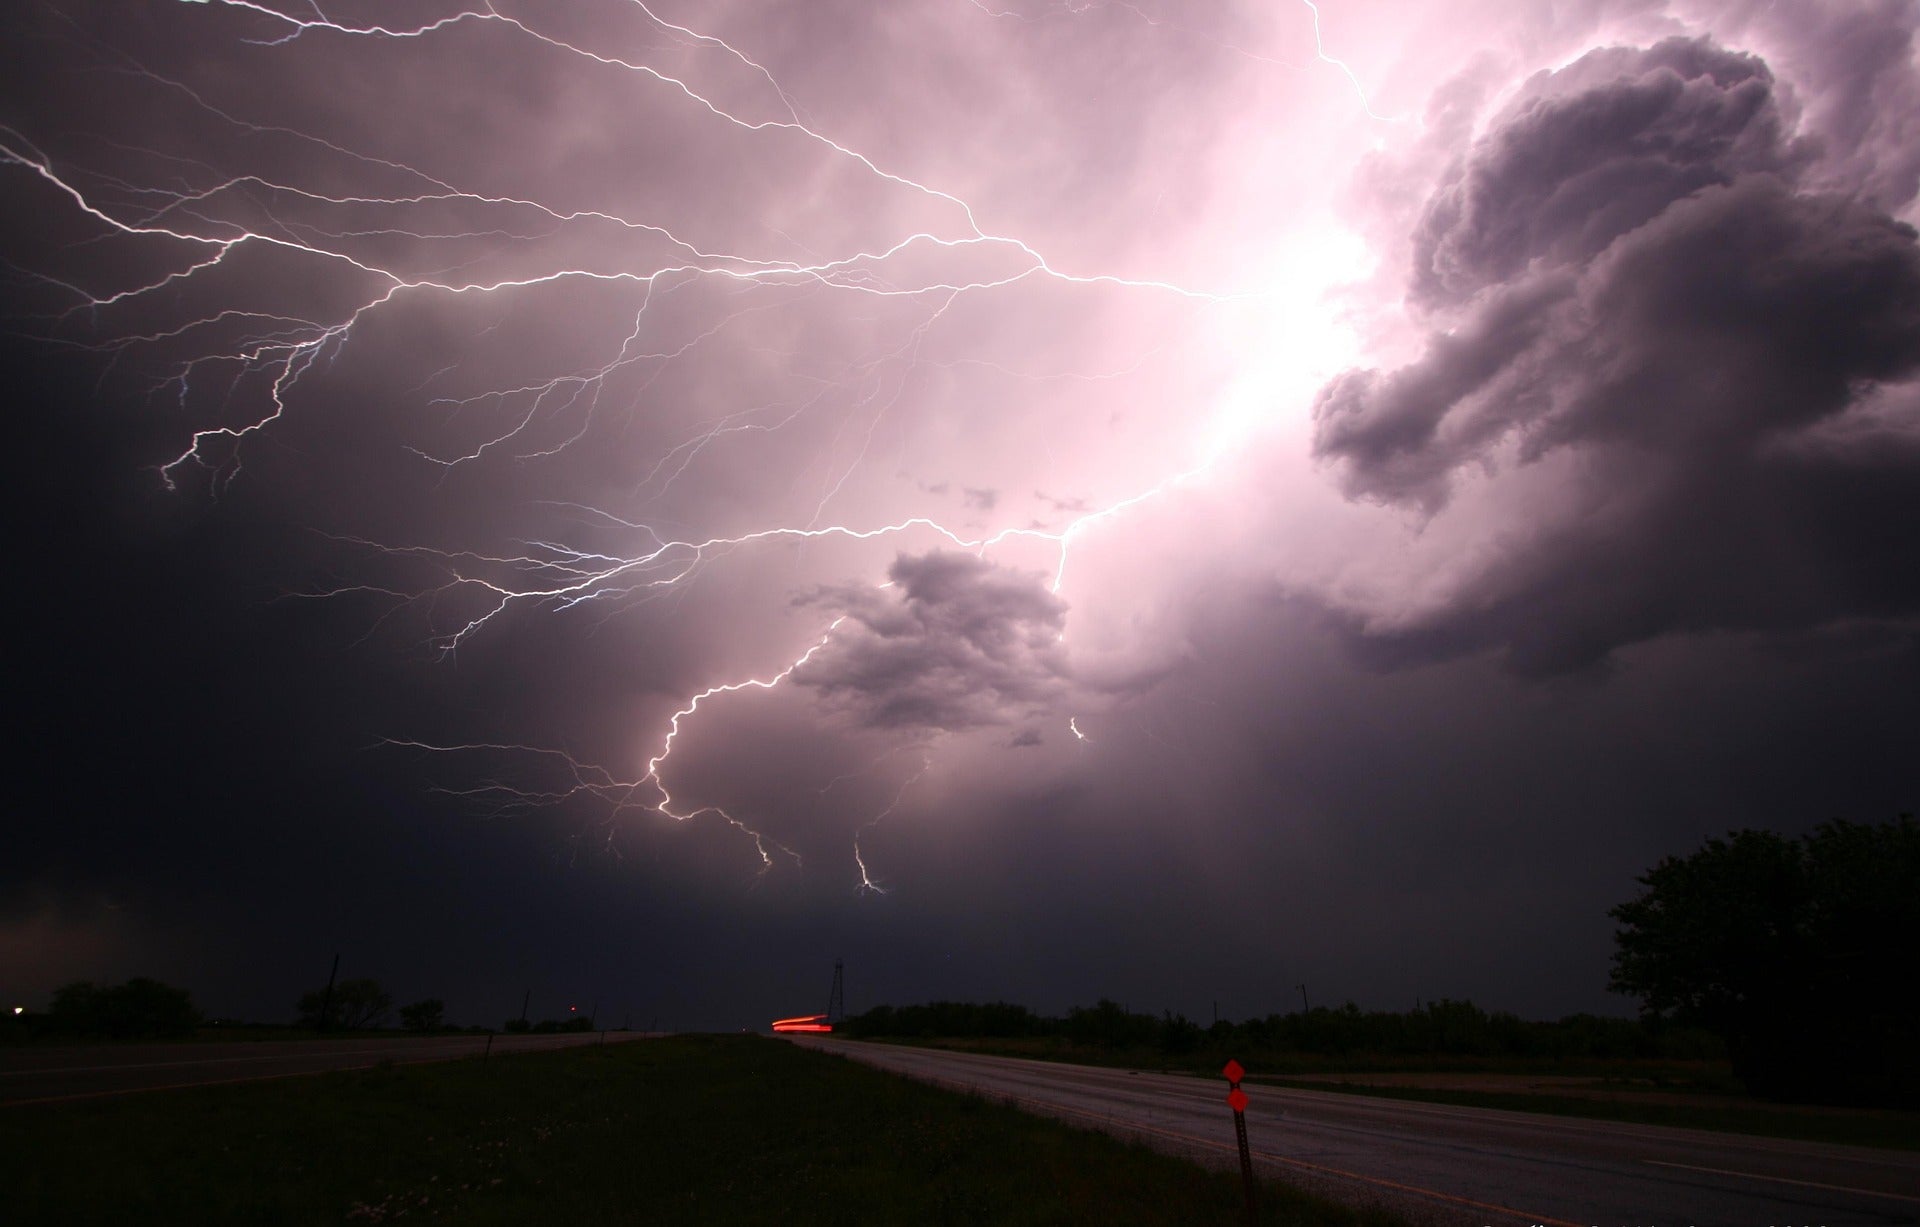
<point>708,1130</point>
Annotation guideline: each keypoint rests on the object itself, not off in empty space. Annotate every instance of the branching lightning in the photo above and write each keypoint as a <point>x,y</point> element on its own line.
<point>208,221</point>
<point>1320,50</point>
<point>867,884</point>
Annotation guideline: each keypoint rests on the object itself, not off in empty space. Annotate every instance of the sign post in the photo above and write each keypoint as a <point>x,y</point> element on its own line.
<point>1237,1100</point>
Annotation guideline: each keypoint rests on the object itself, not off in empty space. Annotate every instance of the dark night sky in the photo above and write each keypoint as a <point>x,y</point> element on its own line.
<point>1223,510</point>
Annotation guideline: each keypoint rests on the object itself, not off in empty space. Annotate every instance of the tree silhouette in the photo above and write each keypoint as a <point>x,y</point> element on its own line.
<point>425,1015</point>
<point>1794,950</point>
<point>356,1004</point>
<point>139,1009</point>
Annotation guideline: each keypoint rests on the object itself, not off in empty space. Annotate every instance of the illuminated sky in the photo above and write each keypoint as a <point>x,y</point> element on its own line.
<point>1163,501</point>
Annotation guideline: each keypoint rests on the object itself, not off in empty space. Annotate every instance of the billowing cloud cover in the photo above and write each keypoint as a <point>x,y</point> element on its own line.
<point>1042,501</point>
<point>952,642</point>
<point>1630,272</point>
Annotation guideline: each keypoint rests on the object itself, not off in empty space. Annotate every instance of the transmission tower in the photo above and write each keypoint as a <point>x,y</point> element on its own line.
<point>837,1000</point>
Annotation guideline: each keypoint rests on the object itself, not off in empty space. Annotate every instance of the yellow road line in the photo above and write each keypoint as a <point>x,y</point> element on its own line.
<point>1805,1184</point>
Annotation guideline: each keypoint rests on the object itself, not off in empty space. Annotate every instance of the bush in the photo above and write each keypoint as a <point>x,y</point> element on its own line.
<point>139,1009</point>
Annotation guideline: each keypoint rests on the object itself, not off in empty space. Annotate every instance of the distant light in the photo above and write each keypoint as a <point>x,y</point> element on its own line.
<point>19,1009</point>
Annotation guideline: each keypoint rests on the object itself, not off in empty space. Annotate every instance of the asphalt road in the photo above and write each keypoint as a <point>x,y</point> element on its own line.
<point>43,1075</point>
<point>1443,1164</point>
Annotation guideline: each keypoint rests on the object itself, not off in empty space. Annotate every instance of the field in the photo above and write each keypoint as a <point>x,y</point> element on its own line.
<point>681,1130</point>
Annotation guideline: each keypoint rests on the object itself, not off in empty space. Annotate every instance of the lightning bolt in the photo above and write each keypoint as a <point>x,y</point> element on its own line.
<point>1320,50</point>
<point>1071,9</point>
<point>867,884</point>
<point>665,804</point>
<point>205,222</point>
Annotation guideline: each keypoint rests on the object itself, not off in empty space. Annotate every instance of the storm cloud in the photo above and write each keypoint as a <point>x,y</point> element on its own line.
<point>952,642</point>
<point>1209,497</point>
<point>1629,276</point>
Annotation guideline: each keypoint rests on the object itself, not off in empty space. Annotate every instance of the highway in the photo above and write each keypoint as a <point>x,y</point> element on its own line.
<point>45,1075</point>
<point>1442,1164</point>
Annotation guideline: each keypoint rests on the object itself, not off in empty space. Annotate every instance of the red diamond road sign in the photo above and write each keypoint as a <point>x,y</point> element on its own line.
<point>1237,1099</point>
<point>1233,1072</point>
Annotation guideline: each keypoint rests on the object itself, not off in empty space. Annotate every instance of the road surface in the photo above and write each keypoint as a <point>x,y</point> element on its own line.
<point>1444,1164</point>
<point>41,1075</point>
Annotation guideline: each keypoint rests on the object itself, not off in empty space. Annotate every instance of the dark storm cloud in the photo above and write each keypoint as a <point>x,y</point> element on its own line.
<point>954,642</point>
<point>1241,809</point>
<point>1863,107</point>
<point>1387,427</point>
<point>1634,278</point>
<point>1591,152</point>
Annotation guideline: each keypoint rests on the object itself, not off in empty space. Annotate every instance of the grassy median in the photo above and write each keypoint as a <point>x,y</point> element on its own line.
<point>695,1129</point>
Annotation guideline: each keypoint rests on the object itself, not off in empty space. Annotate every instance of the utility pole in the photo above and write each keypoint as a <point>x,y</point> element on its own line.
<point>1304,1007</point>
<point>837,999</point>
<point>326,1002</point>
<point>524,1003</point>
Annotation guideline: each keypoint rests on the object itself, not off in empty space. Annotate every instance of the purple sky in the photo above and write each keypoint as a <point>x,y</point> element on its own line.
<point>1163,501</point>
